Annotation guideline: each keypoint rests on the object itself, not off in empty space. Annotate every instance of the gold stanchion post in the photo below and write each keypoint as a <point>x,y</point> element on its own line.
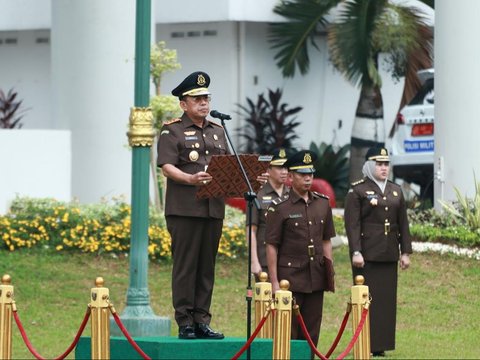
<point>100,320</point>
<point>263,301</point>
<point>283,322</point>
<point>360,300</point>
<point>6,304</point>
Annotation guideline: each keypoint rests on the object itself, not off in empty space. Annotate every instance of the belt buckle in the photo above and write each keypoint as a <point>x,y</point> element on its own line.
<point>311,250</point>
<point>387,228</point>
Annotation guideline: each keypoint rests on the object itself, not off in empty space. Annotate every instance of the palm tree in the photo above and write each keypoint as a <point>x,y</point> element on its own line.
<point>365,29</point>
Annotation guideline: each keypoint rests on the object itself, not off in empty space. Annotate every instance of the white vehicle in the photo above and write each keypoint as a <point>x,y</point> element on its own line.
<point>412,143</point>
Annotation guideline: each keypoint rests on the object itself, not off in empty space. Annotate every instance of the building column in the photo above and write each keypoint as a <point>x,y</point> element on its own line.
<point>457,110</point>
<point>93,49</point>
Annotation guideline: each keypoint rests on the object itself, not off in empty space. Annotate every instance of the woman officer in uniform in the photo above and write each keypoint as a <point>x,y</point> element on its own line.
<point>378,237</point>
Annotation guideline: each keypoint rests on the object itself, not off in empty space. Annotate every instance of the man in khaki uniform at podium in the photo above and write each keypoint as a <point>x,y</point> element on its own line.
<point>185,147</point>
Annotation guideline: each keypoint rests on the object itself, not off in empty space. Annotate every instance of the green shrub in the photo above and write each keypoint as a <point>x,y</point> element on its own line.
<point>432,226</point>
<point>332,165</point>
<point>269,124</point>
<point>468,210</point>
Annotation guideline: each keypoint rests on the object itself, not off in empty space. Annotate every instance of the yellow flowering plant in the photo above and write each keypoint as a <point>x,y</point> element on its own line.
<point>98,228</point>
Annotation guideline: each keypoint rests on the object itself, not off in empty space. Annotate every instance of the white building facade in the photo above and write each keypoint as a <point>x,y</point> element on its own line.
<point>72,63</point>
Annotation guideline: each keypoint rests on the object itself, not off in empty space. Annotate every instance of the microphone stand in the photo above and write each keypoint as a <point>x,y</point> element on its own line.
<point>251,199</point>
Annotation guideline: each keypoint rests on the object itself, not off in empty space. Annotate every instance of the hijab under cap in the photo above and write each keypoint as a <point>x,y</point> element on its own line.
<point>368,170</point>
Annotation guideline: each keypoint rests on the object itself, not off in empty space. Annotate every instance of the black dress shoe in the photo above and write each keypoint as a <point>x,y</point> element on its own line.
<point>203,331</point>
<point>186,332</point>
<point>378,353</point>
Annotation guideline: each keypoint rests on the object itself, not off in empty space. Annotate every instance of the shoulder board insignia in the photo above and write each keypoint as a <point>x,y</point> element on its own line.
<point>280,199</point>
<point>320,195</point>
<point>358,182</point>
<point>169,122</point>
<point>214,123</point>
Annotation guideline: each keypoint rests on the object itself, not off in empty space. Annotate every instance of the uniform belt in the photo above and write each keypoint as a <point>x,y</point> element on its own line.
<point>311,252</point>
<point>387,227</point>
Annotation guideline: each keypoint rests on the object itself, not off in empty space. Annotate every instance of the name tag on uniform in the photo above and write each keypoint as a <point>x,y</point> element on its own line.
<point>266,199</point>
<point>191,137</point>
<point>295,216</point>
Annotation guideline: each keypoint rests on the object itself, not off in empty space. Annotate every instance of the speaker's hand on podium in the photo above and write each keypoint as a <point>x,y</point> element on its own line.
<point>263,178</point>
<point>201,178</point>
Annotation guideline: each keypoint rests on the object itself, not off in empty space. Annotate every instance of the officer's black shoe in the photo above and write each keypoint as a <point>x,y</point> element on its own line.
<point>186,332</point>
<point>203,331</point>
<point>378,353</point>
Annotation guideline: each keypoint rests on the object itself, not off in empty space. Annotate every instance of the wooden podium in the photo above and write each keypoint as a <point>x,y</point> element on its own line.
<point>227,176</point>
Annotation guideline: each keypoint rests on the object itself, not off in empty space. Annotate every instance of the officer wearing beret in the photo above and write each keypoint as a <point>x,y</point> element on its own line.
<point>185,147</point>
<point>378,236</point>
<point>299,249</point>
<point>274,188</point>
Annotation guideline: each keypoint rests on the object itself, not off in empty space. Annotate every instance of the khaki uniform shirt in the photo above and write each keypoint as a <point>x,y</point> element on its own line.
<point>265,197</point>
<point>190,148</point>
<point>298,228</point>
<point>376,223</point>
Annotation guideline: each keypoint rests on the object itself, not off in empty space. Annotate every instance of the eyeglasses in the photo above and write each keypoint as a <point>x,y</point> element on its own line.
<point>200,99</point>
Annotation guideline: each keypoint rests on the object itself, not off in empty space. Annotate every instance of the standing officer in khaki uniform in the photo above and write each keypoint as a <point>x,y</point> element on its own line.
<point>185,147</point>
<point>299,249</point>
<point>378,236</point>
<point>274,188</point>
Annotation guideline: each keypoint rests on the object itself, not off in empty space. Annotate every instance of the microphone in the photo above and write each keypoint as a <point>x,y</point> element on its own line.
<point>219,115</point>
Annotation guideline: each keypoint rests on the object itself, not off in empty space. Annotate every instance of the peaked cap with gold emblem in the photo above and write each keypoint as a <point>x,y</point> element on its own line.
<point>279,157</point>
<point>302,162</point>
<point>377,154</point>
<point>195,84</point>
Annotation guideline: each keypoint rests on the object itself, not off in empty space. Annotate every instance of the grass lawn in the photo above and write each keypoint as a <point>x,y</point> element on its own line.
<point>438,301</point>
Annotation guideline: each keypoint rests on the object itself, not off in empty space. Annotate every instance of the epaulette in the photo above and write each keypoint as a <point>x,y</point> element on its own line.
<point>173,121</point>
<point>214,123</point>
<point>358,182</point>
<point>317,194</point>
<point>280,200</point>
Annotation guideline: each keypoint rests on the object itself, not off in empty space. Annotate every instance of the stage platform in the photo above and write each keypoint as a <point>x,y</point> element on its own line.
<point>172,348</point>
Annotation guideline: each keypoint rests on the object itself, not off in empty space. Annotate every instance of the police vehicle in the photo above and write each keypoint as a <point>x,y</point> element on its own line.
<point>412,143</point>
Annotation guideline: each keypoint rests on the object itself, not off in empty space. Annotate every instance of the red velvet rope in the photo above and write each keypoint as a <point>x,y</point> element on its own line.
<point>355,336</point>
<point>77,337</point>
<point>252,337</point>
<point>32,349</point>
<point>339,335</point>
<point>350,345</point>
<point>25,338</point>
<point>129,338</point>
<point>308,338</point>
